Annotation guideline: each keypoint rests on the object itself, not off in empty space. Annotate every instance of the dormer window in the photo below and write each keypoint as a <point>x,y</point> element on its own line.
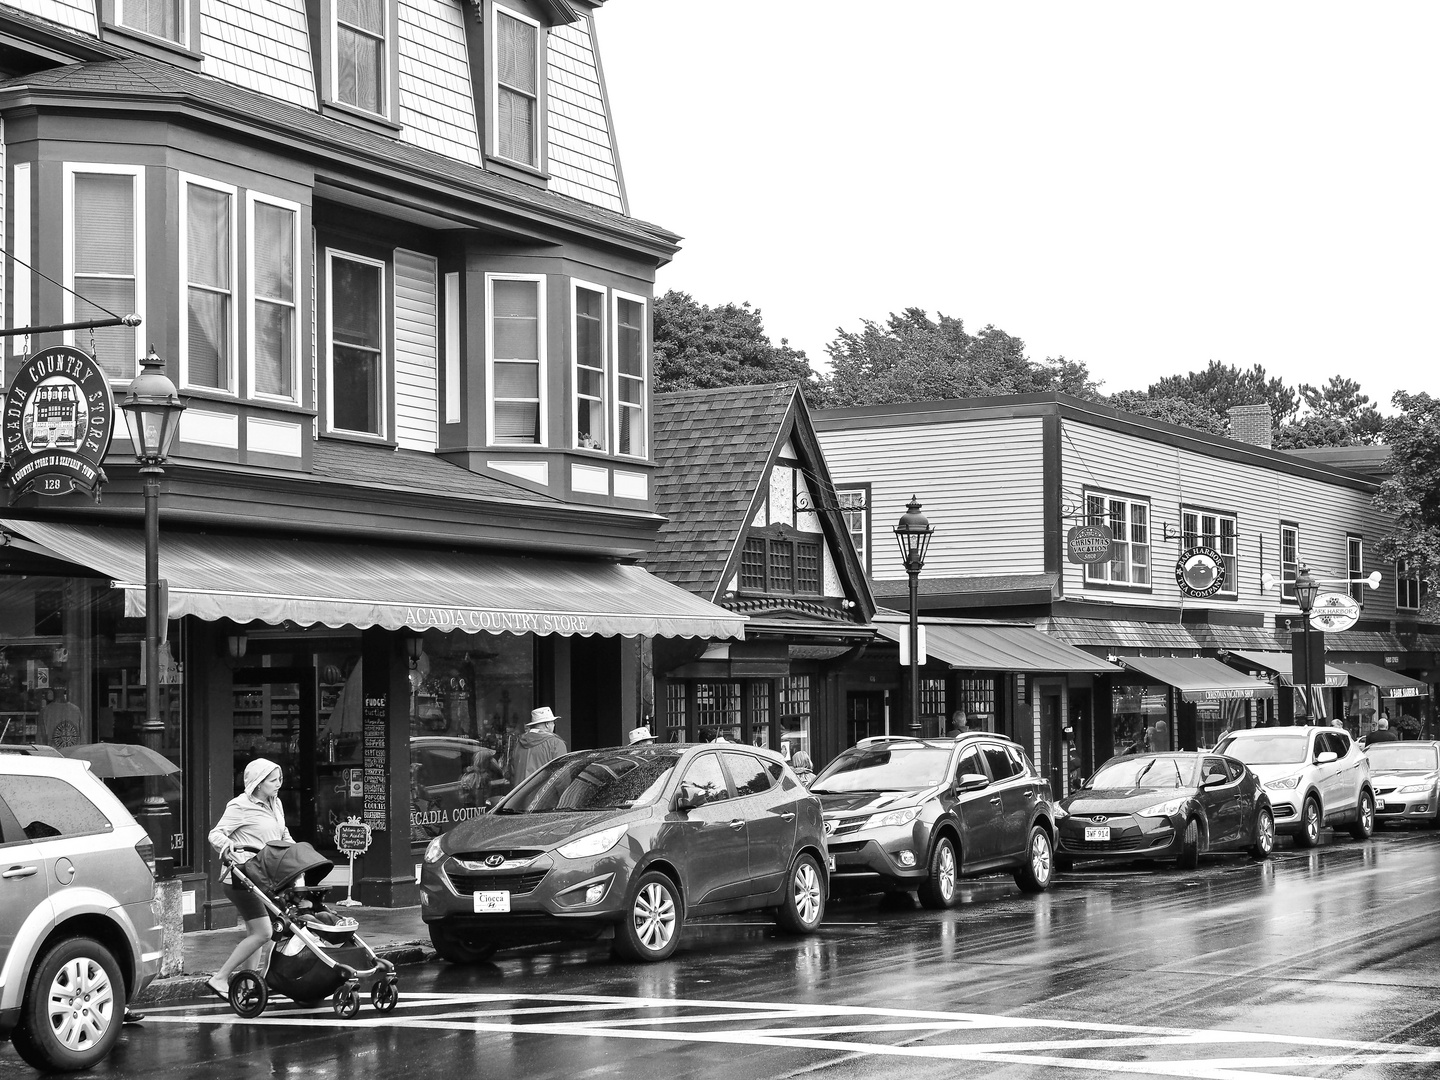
<point>517,70</point>
<point>158,18</point>
<point>779,561</point>
<point>361,32</point>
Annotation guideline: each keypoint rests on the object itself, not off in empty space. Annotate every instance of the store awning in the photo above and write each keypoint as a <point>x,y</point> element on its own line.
<point>981,647</point>
<point>1391,683</point>
<point>1281,665</point>
<point>1200,678</point>
<point>244,578</point>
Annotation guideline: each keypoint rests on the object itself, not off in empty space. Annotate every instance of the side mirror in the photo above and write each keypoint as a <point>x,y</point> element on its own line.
<point>972,781</point>
<point>1326,756</point>
<point>688,797</point>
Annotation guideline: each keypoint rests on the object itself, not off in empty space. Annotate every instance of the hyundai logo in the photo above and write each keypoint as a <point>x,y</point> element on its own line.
<point>493,861</point>
<point>1100,819</point>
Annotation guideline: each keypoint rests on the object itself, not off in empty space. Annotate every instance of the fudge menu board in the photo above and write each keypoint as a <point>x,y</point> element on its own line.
<point>375,720</point>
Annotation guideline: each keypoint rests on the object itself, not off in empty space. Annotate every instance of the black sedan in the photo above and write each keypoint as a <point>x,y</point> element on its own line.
<point>1166,806</point>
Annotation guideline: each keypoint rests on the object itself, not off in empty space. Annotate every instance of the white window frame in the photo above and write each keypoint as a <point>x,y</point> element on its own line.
<point>1407,583</point>
<point>1208,530</point>
<point>387,76</point>
<point>606,406</point>
<point>73,169</point>
<point>251,199</point>
<point>1355,567</point>
<point>187,181</point>
<point>182,33</point>
<point>853,513</point>
<point>382,404</point>
<point>616,296</point>
<point>537,140</point>
<point>542,374</point>
<point>1124,546</point>
<point>1289,568</point>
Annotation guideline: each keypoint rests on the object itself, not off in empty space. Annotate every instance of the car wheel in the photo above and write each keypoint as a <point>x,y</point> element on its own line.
<point>1264,835</point>
<point>804,904</point>
<point>1034,876</point>
<point>1309,834</point>
<point>1364,817</point>
<point>70,1016</point>
<point>457,947</point>
<point>939,888</point>
<point>650,930</point>
<point>1190,846</point>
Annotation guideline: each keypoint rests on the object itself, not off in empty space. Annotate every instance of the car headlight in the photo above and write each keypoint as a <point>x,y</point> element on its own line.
<point>1164,809</point>
<point>433,851</point>
<point>1415,789</point>
<point>1288,784</point>
<point>587,847</point>
<point>893,818</point>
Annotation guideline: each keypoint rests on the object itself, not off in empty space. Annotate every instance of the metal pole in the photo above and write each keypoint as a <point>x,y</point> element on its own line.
<point>914,650</point>
<point>1309,675</point>
<point>154,815</point>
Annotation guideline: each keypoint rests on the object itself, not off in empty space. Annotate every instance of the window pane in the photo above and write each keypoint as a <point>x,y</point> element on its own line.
<point>355,299</point>
<point>208,346</point>
<point>515,54</point>
<point>114,345</point>
<point>104,225</point>
<point>517,380</point>
<point>274,252</point>
<point>208,237</point>
<point>632,338</point>
<point>366,14</point>
<point>356,375</point>
<point>46,806</point>
<point>360,61</point>
<point>516,127</point>
<point>517,422</point>
<point>274,349</point>
<point>747,774</point>
<point>158,17</point>
<point>705,776</point>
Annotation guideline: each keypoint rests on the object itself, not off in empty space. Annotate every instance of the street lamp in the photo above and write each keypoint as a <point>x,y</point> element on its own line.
<point>1306,589</point>
<point>912,533</point>
<point>152,413</point>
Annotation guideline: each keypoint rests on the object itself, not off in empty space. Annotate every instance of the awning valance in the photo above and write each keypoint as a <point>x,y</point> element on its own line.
<point>1281,665</point>
<point>270,580</point>
<point>1391,683</point>
<point>1200,678</point>
<point>998,647</point>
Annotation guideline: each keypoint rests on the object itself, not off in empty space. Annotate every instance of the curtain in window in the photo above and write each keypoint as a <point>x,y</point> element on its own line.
<point>158,17</point>
<point>104,260</point>
<point>518,91</point>
<point>274,286</point>
<point>360,53</point>
<point>208,255</point>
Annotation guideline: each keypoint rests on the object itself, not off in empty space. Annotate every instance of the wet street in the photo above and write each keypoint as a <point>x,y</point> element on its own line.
<point>1315,964</point>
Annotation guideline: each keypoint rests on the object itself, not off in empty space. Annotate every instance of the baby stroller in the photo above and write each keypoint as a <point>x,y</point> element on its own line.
<point>315,953</point>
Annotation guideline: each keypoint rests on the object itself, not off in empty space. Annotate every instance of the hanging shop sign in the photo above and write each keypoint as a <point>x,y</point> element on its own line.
<point>1334,611</point>
<point>1089,543</point>
<point>1200,571</point>
<point>59,416</point>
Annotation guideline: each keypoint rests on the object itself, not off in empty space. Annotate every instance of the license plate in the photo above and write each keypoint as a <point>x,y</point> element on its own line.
<point>1379,804</point>
<point>830,863</point>
<point>490,902</point>
<point>1097,832</point>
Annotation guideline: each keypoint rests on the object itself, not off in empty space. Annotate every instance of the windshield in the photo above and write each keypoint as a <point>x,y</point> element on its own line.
<point>1155,772</point>
<point>1395,756</point>
<point>1277,749</point>
<point>904,767</point>
<point>600,780</point>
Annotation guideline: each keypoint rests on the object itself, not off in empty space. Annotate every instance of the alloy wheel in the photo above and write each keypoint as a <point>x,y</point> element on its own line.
<point>808,892</point>
<point>654,916</point>
<point>947,876</point>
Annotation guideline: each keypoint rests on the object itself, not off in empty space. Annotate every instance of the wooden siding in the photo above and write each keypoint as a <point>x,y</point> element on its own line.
<point>76,14</point>
<point>437,101</point>
<point>980,482</point>
<point>261,45</point>
<point>583,160</point>
<point>416,348</point>
<point>1171,477</point>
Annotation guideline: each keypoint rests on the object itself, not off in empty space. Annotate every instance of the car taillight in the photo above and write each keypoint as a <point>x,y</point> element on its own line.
<point>146,850</point>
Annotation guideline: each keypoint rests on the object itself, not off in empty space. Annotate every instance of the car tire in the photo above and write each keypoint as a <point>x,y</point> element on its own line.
<point>1309,834</point>
<point>1039,867</point>
<point>1364,817</point>
<point>1264,835</point>
<point>942,881</point>
<point>804,905</point>
<point>650,930</point>
<point>1190,846</point>
<point>1434,822</point>
<point>80,973</point>
<point>457,947</point>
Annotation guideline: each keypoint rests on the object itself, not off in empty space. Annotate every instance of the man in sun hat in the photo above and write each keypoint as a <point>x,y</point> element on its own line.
<point>538,743</point>
<point>641,735</point>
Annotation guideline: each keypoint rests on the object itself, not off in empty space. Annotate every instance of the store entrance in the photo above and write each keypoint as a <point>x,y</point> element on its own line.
<point>274,717</point>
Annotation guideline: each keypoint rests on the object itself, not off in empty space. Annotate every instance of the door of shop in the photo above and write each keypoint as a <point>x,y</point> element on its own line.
<point>865,714</point>
<point>1051,763</point>
<point>274,714</point>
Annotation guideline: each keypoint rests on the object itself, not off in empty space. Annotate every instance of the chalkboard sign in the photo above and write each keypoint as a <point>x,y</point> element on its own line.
<point>352,837</point>
<point>375,718</point>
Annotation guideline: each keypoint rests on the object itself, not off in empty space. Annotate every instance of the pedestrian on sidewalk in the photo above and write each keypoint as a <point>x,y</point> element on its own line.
<point>538,744</point>
<point>251,819</point>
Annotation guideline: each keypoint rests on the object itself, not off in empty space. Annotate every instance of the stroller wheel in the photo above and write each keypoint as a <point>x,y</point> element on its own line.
<point>346,1002</point>
<point>248,994</point>
<point>384,995</point>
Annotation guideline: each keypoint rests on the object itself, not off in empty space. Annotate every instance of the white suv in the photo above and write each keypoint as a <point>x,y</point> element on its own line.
<point>79,933</point>
<point>1315,776</point>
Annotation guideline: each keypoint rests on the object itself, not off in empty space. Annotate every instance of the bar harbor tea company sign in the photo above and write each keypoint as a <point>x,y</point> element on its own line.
<point>59,417</point>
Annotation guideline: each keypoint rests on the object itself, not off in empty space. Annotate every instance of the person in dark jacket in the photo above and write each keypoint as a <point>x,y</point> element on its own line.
<point>538,744</point>
<point>1382,732</point>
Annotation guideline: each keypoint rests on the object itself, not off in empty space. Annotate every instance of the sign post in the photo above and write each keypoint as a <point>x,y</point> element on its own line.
<point>353,838</point>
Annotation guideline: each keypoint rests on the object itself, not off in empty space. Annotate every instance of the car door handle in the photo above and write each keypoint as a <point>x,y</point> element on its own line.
<point>737,824</point>
<point>787,817</point>
<point>21,871</point>
<point>995,799</point>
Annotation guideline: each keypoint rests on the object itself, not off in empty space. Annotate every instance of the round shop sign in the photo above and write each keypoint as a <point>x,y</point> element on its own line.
<point>1200,571</point>
<point>1089,543</point>
<point>1334,611</point>
<point>59,416</point>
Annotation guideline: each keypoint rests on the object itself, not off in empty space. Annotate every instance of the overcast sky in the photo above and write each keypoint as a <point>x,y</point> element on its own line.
<point>1140,186</point>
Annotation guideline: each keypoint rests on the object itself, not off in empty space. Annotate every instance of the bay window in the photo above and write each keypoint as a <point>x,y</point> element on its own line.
<point>355,301</point>
<point>590,378</point>
<point>630,376</point>
<point>207,257</point>
<point>515,351</point>
<point>272,254</point>
<point>104,259</point>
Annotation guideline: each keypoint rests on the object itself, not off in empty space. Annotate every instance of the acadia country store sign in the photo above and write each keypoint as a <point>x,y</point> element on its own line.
<point>59,417</point>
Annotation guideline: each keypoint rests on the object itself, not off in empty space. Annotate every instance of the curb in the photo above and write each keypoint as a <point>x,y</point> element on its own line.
<point>191,986</point>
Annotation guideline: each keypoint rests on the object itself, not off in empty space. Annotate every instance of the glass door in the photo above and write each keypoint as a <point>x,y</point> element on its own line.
<point>274,718</point>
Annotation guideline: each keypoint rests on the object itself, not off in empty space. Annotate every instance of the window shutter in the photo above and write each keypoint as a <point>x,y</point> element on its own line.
<point>416,348</point>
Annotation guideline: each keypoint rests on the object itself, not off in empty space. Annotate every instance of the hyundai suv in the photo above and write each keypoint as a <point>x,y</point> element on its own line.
<point>919,814</point>
<point>1315,776</point>
<point>79,933</point>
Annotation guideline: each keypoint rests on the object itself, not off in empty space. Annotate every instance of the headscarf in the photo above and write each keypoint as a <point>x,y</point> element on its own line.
<point>257,771</point>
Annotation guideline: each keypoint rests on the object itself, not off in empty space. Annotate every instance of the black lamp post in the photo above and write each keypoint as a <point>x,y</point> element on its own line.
<point>152,412</point>
<point>1306,589</point>
<point>912,533</point>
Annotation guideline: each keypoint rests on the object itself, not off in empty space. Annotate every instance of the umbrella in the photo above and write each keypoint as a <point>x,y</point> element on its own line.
<point>122,759</point>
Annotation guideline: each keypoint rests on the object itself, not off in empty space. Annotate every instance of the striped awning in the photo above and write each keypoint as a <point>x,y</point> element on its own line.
<point>1390,683</point>
<point>1281,666</point>
<point>1200,678</point>
<point>998,647</point>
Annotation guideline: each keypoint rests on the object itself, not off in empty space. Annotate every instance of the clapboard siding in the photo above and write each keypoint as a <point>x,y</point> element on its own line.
<point>981,484</point>
<point>437,102</point>
<point>580,143</point>
<point>261,45</point>
<point>416,350</point>
<point>76,14</point>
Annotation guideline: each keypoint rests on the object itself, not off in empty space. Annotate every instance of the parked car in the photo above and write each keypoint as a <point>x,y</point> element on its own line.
<point>919,814</point>
<point>1165,806</point>
<point>1314,776</point>
<point>79,934</point>
<point>629,840</point>
<point>1406,779</point>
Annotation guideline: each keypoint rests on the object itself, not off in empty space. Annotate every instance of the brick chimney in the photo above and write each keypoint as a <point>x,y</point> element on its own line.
<point>1250,423</point>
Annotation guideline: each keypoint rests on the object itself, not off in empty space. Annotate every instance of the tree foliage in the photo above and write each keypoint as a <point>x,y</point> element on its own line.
<point>1220,386</point>
<point>1338,414</point>
<point>1172,410</point>
<point>1412,494</point>
<point>699,347</point>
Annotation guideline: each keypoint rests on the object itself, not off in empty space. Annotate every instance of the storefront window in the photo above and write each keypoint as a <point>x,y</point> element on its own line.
<point>977,698</point>
<point>1141,718</point>
<point>795,715</point>
<point>717,711</point>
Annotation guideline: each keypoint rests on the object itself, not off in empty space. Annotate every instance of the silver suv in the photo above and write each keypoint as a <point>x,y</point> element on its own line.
<point>79,933</point>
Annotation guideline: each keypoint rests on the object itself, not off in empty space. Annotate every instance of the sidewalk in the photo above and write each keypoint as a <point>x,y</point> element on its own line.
<point>397,934</point>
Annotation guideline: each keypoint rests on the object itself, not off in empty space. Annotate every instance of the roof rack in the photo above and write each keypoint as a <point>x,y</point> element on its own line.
<point>871,740</point>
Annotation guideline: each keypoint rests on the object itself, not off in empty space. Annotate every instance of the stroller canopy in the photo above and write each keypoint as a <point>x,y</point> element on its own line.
<point>278,866</point>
